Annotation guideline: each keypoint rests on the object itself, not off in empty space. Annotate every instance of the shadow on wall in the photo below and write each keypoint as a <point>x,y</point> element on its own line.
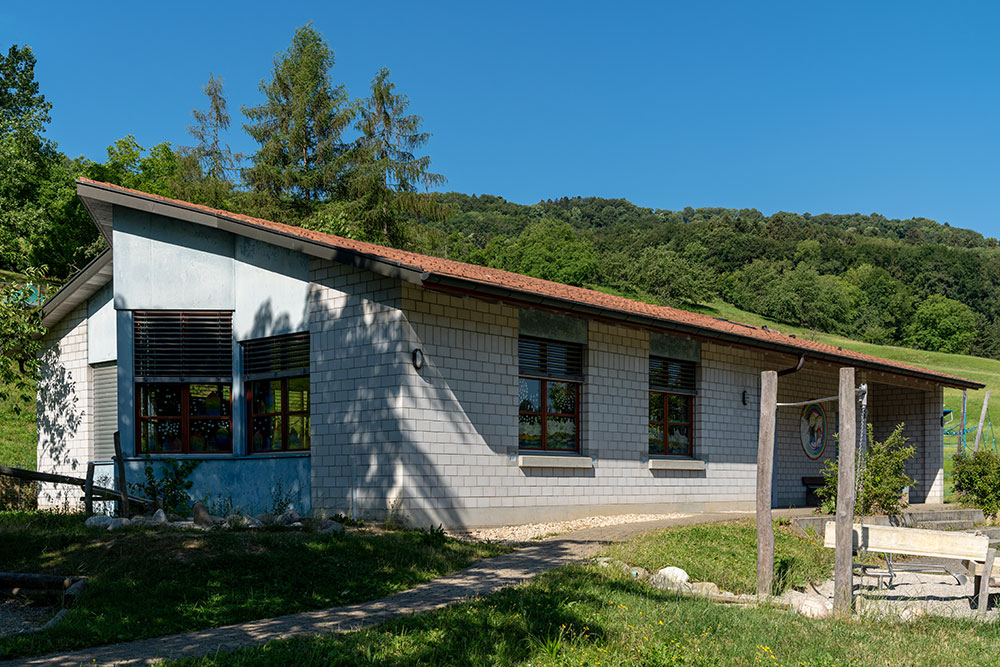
<point>59,420</point>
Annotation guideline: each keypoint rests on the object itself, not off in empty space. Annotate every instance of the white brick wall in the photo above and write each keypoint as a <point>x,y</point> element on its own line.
<point>64,408</point>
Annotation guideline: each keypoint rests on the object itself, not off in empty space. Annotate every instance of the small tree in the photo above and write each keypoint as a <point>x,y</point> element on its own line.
<point>882,473</point>
<point>977,480</point>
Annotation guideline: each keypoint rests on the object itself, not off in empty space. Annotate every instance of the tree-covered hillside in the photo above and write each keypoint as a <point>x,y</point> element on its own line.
<point>901,282</point>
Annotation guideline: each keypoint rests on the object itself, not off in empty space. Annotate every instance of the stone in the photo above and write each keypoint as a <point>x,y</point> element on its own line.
<point>671,579</point>
<point>235,520</point>
<point>216,520</point>
<point>638,573</point>
<point>118,523</point>
<point>159,517</point>
<point>913,613</point>
<point>327,526</point>
<point>97,521</point>
<point>201,516</point>
<point>73,592</point>
<point>296,524</point>
<point>141,520</point>
<point>288,517</point>
<point>705,588</point>
<point>813,606</point>
<point>265,519</point>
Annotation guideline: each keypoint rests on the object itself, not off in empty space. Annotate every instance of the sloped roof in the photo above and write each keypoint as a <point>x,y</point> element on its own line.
<point>449,275</point>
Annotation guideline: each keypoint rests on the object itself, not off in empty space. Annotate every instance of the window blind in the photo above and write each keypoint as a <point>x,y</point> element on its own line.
<point>183,344</point>
<point>550,359</point>
<point>672,375</point>
<point>281,355</point>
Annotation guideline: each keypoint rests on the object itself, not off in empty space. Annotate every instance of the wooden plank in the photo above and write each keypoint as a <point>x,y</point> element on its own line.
<point>983,585</point>
<point>122,486</point>
<point>35,476</point>
<point>843,573</point>
<point>912,541</point>
<point>765,459</point>
<point>88,489</point>
<point>26,580</point>
<point>982,419</point>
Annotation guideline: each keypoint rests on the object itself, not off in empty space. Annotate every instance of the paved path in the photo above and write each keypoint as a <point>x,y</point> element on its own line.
<point>481,578</point>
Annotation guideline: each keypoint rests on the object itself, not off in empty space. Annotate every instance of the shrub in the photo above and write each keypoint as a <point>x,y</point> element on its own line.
<point>977,480</point>
<point>171,488</point>
<point>882,478</point>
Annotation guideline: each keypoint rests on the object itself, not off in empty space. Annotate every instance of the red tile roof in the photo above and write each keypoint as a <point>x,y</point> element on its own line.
<point>478,276</point>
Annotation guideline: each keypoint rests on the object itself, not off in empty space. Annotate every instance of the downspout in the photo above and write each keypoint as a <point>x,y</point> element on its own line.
<point>796,369</point>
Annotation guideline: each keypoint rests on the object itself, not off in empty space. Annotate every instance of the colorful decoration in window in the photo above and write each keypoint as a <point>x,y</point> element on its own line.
<point>812,430</point>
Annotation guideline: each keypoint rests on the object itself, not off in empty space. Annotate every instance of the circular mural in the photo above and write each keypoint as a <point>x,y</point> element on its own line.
<point>813,430</point>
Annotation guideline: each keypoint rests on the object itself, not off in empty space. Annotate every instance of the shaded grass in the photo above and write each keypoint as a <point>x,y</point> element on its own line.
<point>17,449</point>
<point>595,616</point>
<point>146,583</point>
<point>726,554</point>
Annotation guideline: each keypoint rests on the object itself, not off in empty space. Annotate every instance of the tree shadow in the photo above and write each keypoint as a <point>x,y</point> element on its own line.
<point>60,418</point>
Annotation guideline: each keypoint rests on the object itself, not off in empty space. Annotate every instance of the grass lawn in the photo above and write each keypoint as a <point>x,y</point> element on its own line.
<point>146,583</point>
<point>587,615</point>
<point>17,449</point>
<point>726,554</point>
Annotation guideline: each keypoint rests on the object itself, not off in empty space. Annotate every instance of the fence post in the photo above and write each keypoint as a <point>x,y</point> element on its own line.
<point>122,486</point>
<point>843,574</point>
<point>765,459</point>
<point>88,489</point>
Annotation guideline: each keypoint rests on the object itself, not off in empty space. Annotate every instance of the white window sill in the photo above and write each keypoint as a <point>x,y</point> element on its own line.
<point>543,461</point>
<point>676,464</point>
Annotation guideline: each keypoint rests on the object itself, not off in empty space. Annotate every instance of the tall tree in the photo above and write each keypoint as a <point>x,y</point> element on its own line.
<point>300,124</point>
<point>214,162</point>
<point>21,103</point>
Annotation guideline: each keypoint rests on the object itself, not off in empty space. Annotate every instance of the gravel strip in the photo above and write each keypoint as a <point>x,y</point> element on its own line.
<point>534,531</point>
<point>18,616</point>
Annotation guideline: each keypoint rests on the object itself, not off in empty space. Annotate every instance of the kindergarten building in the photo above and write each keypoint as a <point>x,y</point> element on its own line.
<point>347,377</point>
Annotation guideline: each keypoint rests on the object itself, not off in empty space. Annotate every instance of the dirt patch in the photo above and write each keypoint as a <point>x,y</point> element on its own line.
<point>17,616</point>
<point>534,531</point>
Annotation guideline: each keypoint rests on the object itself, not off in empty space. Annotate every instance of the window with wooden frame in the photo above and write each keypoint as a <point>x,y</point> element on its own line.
<point>183,365</point>
<point>672,390</point>
<point>277,374</point>
<point>549,382</point>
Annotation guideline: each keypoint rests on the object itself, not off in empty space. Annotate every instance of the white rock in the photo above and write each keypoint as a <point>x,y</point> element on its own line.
<point>289,517</point>
<point>159,517</point>
<point>705,588</point>
<point>671,578</point>
<point>118,522</point>
<point>97,521</point>
<point>328,526</point>
<point>813,606</point>
<point>913,613</point>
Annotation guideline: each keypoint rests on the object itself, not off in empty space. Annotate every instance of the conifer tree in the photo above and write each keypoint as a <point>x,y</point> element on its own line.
<point>214,161</point>
<point>300,124</point>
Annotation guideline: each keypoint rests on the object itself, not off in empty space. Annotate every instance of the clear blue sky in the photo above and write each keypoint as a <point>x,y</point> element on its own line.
<point>799,106</point>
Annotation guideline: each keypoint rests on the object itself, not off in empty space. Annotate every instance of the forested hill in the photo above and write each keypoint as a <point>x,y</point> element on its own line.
<point>905,282</point>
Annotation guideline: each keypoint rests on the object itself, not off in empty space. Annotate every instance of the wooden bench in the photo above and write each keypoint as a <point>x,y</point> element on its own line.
<point>973,550</point>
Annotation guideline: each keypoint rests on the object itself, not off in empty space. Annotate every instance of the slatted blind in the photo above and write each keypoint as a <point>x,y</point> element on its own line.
<point>672,375</point>
<point>183,344</point>
<point>105,410</point>
<point>550,359</point>
<point>281,355</point>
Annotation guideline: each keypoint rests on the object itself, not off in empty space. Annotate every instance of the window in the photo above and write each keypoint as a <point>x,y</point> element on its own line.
<point>183,372</point>
<point>551,374</point>
<point>277,372</point>
<point>671,407</point>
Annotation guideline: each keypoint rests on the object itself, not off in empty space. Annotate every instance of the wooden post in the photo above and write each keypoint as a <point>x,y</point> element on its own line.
<point>843,575</point>
<point>765,459</point>
<point>88,489</point>
<point>122,486</point>
<point>961,435</point>
<point>983,582</point>
<point>982,420</point>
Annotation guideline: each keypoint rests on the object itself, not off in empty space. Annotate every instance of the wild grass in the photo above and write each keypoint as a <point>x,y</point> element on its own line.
<point>145,582</point>
<point>18,435</point>
<point>726,554</point>
<point>595,616</point>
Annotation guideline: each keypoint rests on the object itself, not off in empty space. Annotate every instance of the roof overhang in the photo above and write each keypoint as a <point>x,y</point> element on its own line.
<point>79,288</point>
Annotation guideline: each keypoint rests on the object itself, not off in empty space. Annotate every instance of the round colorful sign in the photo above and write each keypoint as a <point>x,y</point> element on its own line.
<point>813,430</point>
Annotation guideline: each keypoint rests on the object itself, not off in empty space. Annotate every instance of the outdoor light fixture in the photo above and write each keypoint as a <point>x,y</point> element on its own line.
<point>744,397</point>
<point>418,358</point>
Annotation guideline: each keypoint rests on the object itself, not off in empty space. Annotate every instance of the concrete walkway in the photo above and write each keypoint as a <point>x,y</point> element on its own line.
<point>481,578</point>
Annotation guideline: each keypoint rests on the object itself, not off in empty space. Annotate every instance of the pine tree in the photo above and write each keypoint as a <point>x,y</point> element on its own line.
<point>300,123</point>
<point>213,161</point>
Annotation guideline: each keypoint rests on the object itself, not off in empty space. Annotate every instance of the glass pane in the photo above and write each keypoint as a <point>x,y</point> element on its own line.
<point>679,440</point>
<point>679,408</point>
<point>529,432</point>
<point>160,400</point>
<point>210,400</point>
<point>211,435</point>
<point>298,394</point>
<point>562,398</point>
<point>160,435</point>
<point>266,434</point>
<point>656,438</point>
<point>298,432</point>
<point>265,395</point>
<point>561,434</point>
<point>529,394</point>
<point>655,407</point>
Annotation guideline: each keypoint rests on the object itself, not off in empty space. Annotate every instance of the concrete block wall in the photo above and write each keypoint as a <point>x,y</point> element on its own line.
<point>920,411</point>
<point>64,408</point>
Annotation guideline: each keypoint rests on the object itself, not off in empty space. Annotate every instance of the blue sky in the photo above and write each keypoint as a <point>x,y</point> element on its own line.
<point>835,107</point>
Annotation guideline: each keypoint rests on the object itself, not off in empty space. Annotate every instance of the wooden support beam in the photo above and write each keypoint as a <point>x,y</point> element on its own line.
<point>982,420</point>
<point>983,582</point>
<point>122,486</point>
<point>843,576</point>
<point>765,459</point>
<point>88,489</point>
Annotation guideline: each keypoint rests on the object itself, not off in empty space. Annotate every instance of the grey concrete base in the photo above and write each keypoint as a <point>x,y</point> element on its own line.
<point>676,464</point>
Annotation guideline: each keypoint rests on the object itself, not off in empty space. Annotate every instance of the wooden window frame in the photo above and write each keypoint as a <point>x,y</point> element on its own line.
<point>544,414</point>
<point>284,413</point>
<point>666,423</point>
<point>185,418</point>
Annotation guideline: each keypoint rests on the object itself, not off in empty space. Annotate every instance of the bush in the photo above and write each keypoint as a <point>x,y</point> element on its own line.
<point>977,480</point>
<point>882,479</point>
<point>171,488</point>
